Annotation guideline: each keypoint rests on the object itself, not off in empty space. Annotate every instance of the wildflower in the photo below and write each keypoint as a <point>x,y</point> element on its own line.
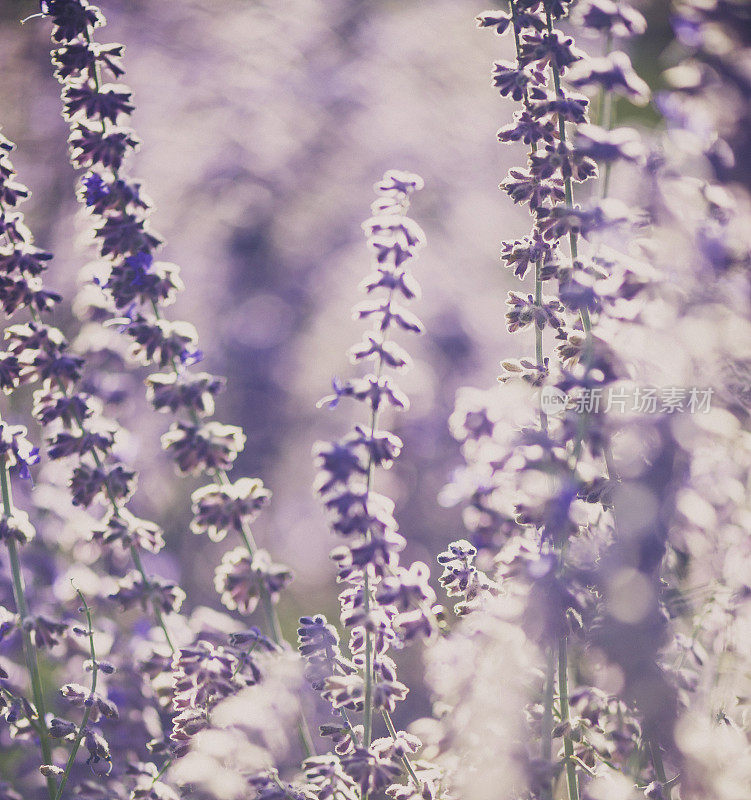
<point>173,391</point>
<point>220,509</point>
<point>614,73</point>
<point>17,528</point>
<point>203,448</point>
<point>129,530</point>
<point>242,581</point>
<point>608,17</point>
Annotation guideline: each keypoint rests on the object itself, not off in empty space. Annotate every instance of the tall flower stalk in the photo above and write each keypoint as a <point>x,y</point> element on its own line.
<point>29,646</point>
<point>137,286</point>
<point>383,603</point>
<point>557,161</point>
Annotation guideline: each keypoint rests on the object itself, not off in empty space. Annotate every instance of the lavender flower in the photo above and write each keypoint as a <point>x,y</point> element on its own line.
<point>383,603</point>
<point>140,286</point>
<point>603,582</point>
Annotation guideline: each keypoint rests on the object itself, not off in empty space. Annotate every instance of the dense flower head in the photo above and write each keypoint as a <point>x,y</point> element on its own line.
<point>17,528</point>
<point>219,509</point>
<point>382,603</point>
<point>241,579</point>
<point>611,18</point>
<point>613,73</point>
<point>203,448</point>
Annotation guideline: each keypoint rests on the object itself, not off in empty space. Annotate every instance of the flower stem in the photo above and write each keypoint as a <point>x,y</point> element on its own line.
<point>654,749</point>
<point>29,648</point>
<point>368,720</point>
<point>546,737</point>
<point>87,712</point>
<point>568,745</point>
<point>136,556</point>
<point>405,760</point>
<point>538,266</point>
<point>567,183</point>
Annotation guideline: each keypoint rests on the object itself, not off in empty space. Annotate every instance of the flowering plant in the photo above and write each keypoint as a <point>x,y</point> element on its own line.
<point>584,637</point>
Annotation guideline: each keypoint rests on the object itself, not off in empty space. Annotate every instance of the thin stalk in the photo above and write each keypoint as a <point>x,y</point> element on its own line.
<point>567,183</point>
<point>368,720</point>
<point>136,556</point>
<point>87,711</point>
<point>167,764</point>
<point>538,266</point>
<point>29,648</point>
<point>241,661</point>
<point>654,749</point>
<point>606,116</point>
<point>345,719</point>
<point>546,737</point>
<point>573,243</point>
<point>392,731</point>
<point>546,744</point>
<point>568,745</point>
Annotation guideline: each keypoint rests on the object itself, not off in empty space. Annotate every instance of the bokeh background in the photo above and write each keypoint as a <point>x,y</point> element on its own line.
<point>264,126</point>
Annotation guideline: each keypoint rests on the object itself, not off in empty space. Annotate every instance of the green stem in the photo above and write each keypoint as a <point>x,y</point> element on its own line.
<point>87,712</point>
<point>567,183</point>
<point>573,245</point>
<point>29,648</point>
<point>546,737</point>
<point>538,266</point>
<point>368,720</point>
<point>606,117</point>
<point>546,742</point>
<point>136,556</point>
<point>167,764</point>
<point>654,749</point>
<point>392,731</point>
<point>568,745</point>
